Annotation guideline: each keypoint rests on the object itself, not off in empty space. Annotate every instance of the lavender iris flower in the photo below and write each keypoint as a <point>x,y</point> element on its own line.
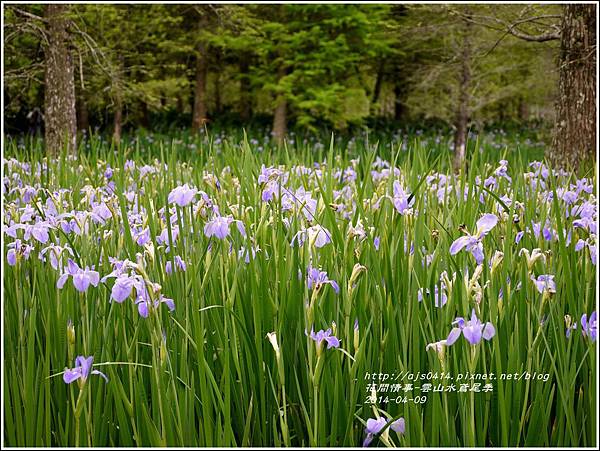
<point>401,203</point>
<point>54,252</point>
<point>544,283</point>
<point>11,257</point>
<point>39,231</point>
<point>82,278</point>
<point>182,195</point>
<point>375,426</point>
<point>376,242</point>
<point>83,368</point>
<point>317,235</point>
<point>219,227</point>
<point>123,287</point>
<point>144,302</point>
<point>143,237</point>
<point>317,278</point>
<point>320,336</point>
<point>440,296</point>
<point>17,249</point>
<point>472,243</point>
<point>473,330</point>
<point>588,326</point>
<point>591,245</point>
<point>179,264</point>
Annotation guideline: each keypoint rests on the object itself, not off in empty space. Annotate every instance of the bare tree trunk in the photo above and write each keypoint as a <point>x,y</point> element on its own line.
<point>118,118</point>
<point>145,118</point>
<point>245,94</point>
<point>378,82</point>
<point>399,93</point>
<point>118,101</point>
<point>280,120</point>
<point>200,110</point>
<point>217,83</point>
<point>59,103</point>
<point>574,138</point>
<point>280,117</point>
<point>523,110</point>
<point>83,118</point>
<point>462,108</point>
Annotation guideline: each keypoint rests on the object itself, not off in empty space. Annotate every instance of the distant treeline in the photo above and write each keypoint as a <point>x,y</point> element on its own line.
<point>306,66</point>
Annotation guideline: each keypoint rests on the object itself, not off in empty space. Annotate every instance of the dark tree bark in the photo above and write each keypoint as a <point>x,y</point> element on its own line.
<point>217,83</point>
<point>245,94</point>
<point>378,82</point>
<point>400,92</point>
<point>200,110</point>
<point>83,117</point>
<point>462,107</point>
<point>523,110</point>
<point>280,116</point>
<point>145,115</point>
<point>59,102</point>
<point>574,137</point>
<point>118,119</point>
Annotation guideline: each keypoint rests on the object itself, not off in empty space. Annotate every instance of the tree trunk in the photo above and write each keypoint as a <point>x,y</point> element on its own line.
<point>199,115</point>
<point>523,110</point>
<point>574,137</point>
<point>378,82</point>
<point>280,117</point>
<point>399,93</point>
<point>462,108</point>
<point>83,118</point>
<point>59,102</point>
<point>217,84</point>
<point>145,115</point>
<point>245,94</point>
<point>280,120</point>
<point>118,119</point>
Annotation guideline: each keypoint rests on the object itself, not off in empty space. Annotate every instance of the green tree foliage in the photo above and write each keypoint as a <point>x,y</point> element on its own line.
<point>334,65</point>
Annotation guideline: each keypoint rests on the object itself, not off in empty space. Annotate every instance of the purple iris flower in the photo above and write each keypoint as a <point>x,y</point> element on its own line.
<point>472,243</point>
<point>219,227</point>
<point>401,199</point>
<point>123,287</point>
<point>54,253</point>
<point>588,326</point>
<point>101,213</point>
<point>317,235</point>
<point>39,231</point>
<point>316,278</point>
<point>163,238</point>
<point>440,296</point>
<point>11,257</point>
<point>375,426</point>
<point>245,253</point>
<point>376,242</point>
<point>320,336</point>
<point>142,237</point>
<point>182,195</point>
<point>545,282</point>
<point>16,249</point>
<point>144,302</point>
<point>82,278</point>
<point>179,264</point>
<point>519,236</point>
<point>590,245</point>
<point>83,368</point>
<point>473,330</point>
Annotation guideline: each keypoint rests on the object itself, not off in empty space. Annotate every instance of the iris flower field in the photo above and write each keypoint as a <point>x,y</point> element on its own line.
<point>224,292</point>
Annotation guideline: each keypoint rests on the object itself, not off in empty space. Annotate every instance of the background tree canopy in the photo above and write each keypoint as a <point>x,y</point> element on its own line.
<point>308,66</point>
